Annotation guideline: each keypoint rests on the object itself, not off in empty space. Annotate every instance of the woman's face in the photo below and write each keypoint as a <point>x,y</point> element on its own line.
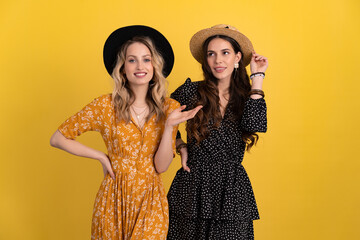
<point>138,66</point>
<point>221,58</point>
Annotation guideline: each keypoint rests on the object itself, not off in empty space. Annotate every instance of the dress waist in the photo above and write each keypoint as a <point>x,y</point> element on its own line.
<point>133,165</point>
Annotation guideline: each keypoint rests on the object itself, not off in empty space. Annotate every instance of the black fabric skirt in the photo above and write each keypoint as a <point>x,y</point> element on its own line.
<point>208,229</point>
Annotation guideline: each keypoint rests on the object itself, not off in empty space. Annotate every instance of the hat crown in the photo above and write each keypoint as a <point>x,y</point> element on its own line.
<point>198,39</point>
<point>225,26</point>
<point>120,36</point>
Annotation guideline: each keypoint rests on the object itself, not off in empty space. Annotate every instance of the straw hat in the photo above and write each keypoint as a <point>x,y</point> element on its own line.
<point>199,38</point>
<point>122,35</point>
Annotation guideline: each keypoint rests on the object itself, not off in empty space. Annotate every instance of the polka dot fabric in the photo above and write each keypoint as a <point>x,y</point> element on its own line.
<point>215,200</point>
<point>182,228</point>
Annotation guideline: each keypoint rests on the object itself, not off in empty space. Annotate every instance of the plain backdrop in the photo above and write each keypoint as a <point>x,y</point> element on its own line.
<point>304,170</point>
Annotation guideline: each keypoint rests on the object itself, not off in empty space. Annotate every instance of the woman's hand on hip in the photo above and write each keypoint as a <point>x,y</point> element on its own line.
<point>184,157</point>
<point>105,162</point>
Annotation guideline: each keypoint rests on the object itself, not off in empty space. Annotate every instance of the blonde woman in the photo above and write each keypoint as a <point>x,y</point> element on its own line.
<point>138,124</point>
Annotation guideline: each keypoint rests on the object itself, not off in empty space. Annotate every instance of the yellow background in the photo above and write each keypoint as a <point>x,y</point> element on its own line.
<point>305,169</point>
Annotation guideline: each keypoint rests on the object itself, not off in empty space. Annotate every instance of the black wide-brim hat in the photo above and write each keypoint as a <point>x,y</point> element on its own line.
<point>122,35</point>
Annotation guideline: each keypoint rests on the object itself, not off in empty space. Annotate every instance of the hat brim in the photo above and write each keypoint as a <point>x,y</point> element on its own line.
<point>122,35</point>
<point>200,37</point>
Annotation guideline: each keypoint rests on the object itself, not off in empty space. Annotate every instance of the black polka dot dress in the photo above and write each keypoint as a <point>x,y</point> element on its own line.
<point>215,200</point>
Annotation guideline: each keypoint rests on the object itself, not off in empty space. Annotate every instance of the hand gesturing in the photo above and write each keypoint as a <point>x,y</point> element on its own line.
<point>178,115</point>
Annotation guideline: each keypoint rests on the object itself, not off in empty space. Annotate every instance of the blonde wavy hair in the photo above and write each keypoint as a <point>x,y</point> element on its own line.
<point>123,96</point>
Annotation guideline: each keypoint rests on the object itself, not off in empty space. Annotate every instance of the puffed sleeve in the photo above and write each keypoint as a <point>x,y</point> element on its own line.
<point>254,117</point>
<point>185,95</point>
<point>172,106</point>
<point>90,118</point>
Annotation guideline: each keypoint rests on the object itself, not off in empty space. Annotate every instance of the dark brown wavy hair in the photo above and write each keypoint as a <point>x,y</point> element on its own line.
<point>199,127</point>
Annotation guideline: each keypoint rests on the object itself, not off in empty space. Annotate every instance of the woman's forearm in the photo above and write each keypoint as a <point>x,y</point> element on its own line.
<point>74,147</point>
<point>257,83</point>
<point>164,155</point>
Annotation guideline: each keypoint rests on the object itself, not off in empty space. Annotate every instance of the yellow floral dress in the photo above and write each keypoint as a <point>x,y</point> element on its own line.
<point>134,206</point>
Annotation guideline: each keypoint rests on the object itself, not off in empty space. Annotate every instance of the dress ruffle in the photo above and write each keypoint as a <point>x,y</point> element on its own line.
<point>226,195</point>
<point>217,187</point>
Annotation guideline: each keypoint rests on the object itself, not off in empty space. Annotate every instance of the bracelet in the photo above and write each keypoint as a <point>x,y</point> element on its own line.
<point>179,147</point>
<point>261,74</point>
<point>257,91</point>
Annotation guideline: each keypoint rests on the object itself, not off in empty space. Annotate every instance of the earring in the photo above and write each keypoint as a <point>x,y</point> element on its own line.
<point>236,66</point>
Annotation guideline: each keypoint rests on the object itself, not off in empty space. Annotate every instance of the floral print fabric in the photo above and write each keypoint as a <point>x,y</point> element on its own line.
<point>134,206</point>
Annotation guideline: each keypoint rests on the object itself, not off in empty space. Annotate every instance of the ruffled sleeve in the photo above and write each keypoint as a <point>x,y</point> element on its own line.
<point>172,105</point>
<point>90,118</point>
<point>186,93</point>
<point>254,117</point>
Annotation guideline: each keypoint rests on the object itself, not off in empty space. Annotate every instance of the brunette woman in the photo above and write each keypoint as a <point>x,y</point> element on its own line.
<point>211,197</point>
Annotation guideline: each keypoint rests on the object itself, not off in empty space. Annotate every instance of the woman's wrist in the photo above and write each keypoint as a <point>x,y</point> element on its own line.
<point>257,80</point>
<point>101,156</point>
<point>168,128</point>
<point>181,147</point>
<point>257,74</point>
<point>257,84</point>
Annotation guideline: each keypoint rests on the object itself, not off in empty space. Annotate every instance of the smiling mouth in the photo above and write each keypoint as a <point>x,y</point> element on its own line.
<point>220,69</point>
<point>142,74</point>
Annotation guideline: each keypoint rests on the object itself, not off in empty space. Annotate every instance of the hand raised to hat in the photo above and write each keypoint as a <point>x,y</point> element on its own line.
<point>258,63</point>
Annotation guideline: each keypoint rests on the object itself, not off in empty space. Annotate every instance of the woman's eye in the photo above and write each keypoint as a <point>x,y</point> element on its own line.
<point>131,60</point>
<point>147,60</point>
<point>226,53</point>
<point>210,54</point>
